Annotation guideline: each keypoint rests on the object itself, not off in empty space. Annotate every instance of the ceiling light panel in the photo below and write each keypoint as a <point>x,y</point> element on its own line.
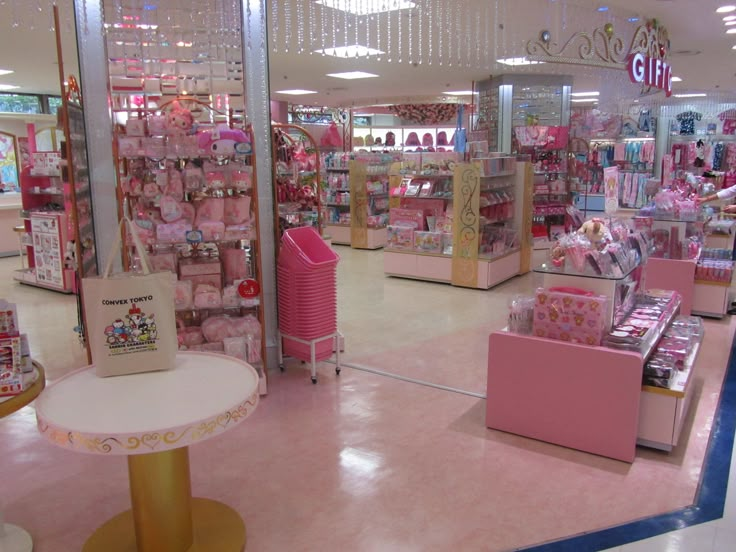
<point>350,75</point>
<point>726,9</point>
<point>296,92</point>
<point>460,93</point>
<point>518,61</point>
<point>583,94</point>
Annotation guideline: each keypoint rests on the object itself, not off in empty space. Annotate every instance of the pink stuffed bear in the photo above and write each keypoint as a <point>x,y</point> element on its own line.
<point>179,120</point>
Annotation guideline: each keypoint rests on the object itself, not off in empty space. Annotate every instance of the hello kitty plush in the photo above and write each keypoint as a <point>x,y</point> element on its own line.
<point>179,120</point>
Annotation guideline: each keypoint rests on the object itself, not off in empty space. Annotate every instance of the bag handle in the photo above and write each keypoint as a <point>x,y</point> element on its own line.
<point>140,248</point>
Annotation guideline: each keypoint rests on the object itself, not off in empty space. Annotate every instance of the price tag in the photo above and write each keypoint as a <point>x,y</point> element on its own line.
<point>248,289</point>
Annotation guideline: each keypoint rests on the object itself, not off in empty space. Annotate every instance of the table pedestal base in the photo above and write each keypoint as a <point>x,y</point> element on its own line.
<point>15,539</point>
<point>217,528</point>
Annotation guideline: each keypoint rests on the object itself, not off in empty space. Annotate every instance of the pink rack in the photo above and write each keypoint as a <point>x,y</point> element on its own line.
<point>307,299</point>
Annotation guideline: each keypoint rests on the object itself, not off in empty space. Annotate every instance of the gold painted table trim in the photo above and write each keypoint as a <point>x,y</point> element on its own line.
<point>27,396</point>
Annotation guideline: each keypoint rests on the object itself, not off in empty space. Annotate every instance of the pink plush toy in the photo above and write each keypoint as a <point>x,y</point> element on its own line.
<point>217,328</point>
<point>223,140</point>
<point>179,120</point>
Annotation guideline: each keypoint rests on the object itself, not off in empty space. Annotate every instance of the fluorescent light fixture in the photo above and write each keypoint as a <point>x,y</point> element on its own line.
<point>726,9</point>
<point>698,95</point>
<point>729,18</point>
<point>8,87</point>
<point>633,19</point>
<point>733,47</point>
<point>363,7</point>
<point>582,94</point>
<point>585,100</point>
<point>460,93</point>
<point>354,50</point>
<point>352,75</point>
<point>296,92</point>
<point>731,31</point>
<point>602,8</point>
<point>676,79</point>
<point>517,61</point>
<point>5,72</point>
<point>727,23</point>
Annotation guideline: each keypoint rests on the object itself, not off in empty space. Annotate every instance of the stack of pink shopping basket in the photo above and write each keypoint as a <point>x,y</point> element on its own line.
<point>307,295</point>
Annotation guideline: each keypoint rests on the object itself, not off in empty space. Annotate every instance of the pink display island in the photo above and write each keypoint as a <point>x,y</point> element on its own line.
<point>675,274</point>
<point>582,397</point>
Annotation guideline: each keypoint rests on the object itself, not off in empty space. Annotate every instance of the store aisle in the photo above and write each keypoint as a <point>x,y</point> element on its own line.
<point>366,462</point>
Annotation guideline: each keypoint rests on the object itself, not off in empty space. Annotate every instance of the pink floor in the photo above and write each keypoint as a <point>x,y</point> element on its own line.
<point>366,462</point>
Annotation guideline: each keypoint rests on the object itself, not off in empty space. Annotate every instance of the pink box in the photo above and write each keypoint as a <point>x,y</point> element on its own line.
<point>163,261</point>
<point>211,230</point>
<point>400,237</point>
<point>211,279</point>
<point>428,242</point>
<point>199,266</point>
<point>407,217</point>
<point>570,315</point>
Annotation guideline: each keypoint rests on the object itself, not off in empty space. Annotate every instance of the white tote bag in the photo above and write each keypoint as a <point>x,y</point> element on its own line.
<point>130,323</point>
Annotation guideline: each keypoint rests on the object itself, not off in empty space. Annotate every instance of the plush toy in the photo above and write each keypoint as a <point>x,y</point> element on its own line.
<point>179,120</point>
<point>223,140</point>
<point>558,256</point>
<point>594,230</point>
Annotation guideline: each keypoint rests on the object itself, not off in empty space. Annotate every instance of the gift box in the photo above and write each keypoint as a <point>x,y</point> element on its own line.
<point>428,242</point>
<point>407,217</point>
<point>570,315</point>
<point>400,237</point>
<point>204,270</point>
<point>163,261</point>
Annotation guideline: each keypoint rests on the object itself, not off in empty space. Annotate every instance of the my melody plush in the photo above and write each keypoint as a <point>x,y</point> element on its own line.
<point>179,120</point>
<point>223,140</point>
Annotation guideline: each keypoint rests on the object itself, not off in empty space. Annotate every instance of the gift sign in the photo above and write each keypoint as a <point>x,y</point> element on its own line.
<point>249,289</point>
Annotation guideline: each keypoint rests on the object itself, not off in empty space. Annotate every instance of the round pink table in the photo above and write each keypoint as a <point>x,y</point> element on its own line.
<point>152,418</point>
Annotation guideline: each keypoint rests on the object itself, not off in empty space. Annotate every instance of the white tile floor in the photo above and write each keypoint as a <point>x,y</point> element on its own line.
<point>54,313</point>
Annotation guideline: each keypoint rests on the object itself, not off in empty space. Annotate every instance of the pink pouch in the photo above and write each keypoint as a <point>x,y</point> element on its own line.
<point>170,208</point>
<point>175,186</point>
<point>235,265</point>
<point>193,179</point>
<point>237,210</point>
<point>207,296</point>
<point>183,295</point>
<point>211,230</point>
<point>211,208</point>
<point>211,279</point>
<point>230,296</point>
<point>187,213</point>
<point>174,232</point>
<point>156,125</point>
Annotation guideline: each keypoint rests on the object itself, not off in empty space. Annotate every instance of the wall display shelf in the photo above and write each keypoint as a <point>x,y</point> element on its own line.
<point>369,188</point>
<point>470,233</point>
<point>713,278</point>
<point>378,138</point>
<point>196,213</point>
<point>298,173</point>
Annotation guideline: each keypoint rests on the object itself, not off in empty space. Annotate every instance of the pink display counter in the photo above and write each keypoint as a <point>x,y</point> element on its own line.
<point>678,275</point>
<point>586,398</point>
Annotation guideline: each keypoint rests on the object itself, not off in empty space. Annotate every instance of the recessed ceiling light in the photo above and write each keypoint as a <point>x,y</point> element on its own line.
<point>517,61</point>
<point>731,31</point>
<point>352,75</point>
<point>726,9</point>
<point>5,71</point>
<point>361,7</point>
<point>584,100</point>
<point>633,19</point>
<point>355,50</point>
<point>8,87</point>
<point>585,93</point>
<point>460,93</point>
<point>729,18</point>
<point>602,8</point>
<point>676,79</point>
<point>296,92</point>
<point>698,95</point>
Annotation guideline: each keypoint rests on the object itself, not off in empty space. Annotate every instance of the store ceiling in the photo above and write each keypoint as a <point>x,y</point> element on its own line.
<point>29,50</point>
